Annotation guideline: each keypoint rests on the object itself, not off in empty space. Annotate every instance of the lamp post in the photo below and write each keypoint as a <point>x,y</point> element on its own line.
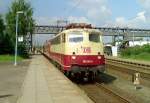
<point>17,17</point>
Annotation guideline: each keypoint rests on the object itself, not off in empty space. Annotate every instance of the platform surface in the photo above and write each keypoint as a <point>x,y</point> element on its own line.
<point>44,83</point>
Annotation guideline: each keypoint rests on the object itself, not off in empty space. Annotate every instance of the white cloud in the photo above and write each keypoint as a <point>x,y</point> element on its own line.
<point>138,22</point>
<point>146,6</point>
<point>145,3</point>
<point>120,21</point>
<point>142,19</point>
<point>96,11</point>
<point>73,19</point>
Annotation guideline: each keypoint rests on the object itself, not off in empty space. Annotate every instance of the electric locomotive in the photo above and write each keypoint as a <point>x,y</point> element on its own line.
<point>78,50</point>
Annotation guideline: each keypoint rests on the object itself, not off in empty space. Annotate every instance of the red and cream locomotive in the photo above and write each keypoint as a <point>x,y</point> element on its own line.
<point>78,50</point>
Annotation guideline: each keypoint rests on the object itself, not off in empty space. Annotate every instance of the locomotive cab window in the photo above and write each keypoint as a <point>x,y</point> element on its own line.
<point>94,37</point>
<point>63,37</point>
<point>75,37</point>
<point>56,40</point>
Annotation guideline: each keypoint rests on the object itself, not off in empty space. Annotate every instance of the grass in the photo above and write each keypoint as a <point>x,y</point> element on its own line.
<point>9,58</point>
<point>137,53</point>
<point>142,56</point>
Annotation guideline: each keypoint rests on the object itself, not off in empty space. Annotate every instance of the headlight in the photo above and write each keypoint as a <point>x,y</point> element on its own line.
<point>73,57</point>
<point>98,57</point>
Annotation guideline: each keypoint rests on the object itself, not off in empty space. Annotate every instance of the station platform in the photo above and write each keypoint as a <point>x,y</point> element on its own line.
<point>44,83</point>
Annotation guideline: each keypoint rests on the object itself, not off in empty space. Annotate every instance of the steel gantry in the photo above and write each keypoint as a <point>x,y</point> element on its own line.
<point>40,29</point>
<point>108,31</point>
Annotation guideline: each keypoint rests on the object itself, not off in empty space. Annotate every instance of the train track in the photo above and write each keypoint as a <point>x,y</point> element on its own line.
<point>130,66</point>
<point>145,66</point>
<point>102,94</point>
<point>115,94</point>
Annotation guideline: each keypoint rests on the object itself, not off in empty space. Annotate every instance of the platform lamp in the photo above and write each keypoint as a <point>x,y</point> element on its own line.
<point>16,45</point>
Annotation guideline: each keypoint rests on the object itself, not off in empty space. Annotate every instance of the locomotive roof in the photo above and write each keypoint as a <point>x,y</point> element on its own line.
<point>81,30</point>
<point>78,30</point>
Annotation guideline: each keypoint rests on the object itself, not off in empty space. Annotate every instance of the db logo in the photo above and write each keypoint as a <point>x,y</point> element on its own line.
<point>86,49</point>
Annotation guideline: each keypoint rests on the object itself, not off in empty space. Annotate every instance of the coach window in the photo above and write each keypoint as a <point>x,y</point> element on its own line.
<point>75,37</point>
<point>94,37</point>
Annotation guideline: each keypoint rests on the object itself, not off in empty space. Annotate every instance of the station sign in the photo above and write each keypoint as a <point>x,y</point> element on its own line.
<point>20,39</point>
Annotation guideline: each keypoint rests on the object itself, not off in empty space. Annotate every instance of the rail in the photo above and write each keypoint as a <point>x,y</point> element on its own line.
<point>100,93</point>
<point>115,94</point>
<point>131,66</point>
<point>141,64</point>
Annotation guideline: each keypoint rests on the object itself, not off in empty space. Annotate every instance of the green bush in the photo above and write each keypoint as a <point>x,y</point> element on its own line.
<point>137,52</point>
<point>22,51</point>
<point>146,48</point>
<point>126,52</point>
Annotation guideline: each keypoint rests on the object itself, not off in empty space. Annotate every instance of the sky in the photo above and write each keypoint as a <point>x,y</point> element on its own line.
<point>108,13</point>
<point>124,13</point>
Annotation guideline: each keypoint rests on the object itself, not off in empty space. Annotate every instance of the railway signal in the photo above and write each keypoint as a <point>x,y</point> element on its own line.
<point>136,80</point>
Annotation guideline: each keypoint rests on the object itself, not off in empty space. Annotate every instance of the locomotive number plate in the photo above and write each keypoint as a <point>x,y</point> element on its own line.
<point>86,49</point>
<point>87,61</point>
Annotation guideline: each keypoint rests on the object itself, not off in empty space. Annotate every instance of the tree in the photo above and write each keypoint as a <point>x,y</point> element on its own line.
<point>5,43</point>
<point>2,26</point>
<point>25,22</point>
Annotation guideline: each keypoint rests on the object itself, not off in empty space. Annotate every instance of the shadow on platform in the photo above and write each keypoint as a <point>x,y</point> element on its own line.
<point>4,96</point>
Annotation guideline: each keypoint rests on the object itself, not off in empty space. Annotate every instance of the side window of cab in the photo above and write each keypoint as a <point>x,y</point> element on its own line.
<point>63,37</point>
